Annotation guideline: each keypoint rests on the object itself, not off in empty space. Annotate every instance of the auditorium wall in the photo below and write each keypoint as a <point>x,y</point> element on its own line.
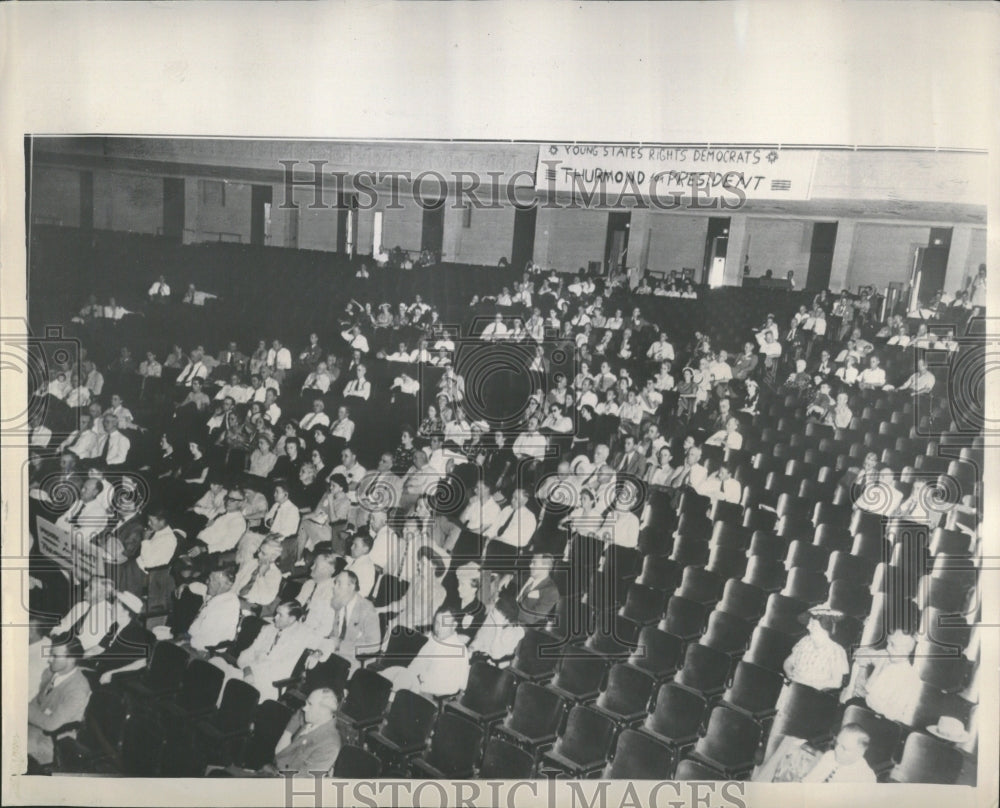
<point>675,242</point>
<point>216,207</point>
<point>131,202</point>
<point>570,239</point>
<point>55,196</point>
<point>488,237</point>
<point>781,245</point>
<point>882,253</point>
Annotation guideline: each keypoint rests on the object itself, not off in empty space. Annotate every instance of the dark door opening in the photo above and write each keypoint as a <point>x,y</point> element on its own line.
<point>824,238</point>
<point>616,243</point>
<point>932,262</point>
<point>86,200</point>
<point>260,213</point>
<point>522,249</point>
<point>173,208</point>
<point>347,222</point>
<point>716,247</point>
<point>432,232</point>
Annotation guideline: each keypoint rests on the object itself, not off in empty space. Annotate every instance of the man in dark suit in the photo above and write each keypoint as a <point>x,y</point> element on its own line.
<point>538,597</point>
<point>231,360</point>
<point>630,461</point>
<point>62,699</point>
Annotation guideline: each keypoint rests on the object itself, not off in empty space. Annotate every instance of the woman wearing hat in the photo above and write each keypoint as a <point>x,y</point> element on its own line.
<point>817,660</point>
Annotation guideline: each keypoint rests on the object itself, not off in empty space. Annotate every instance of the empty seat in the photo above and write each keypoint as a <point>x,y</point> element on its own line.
<point>536,656</point>
<point>727,562</point>
<point>806,713</point>
<point>704,670</point>
<point>767,574</point>
<point>725,534</point>
<point>848,567</point>
<point>161,677</point>
<point>730,742</point>
<point>826,513</point>
<point>583,747</point>
<point>354,763</point>
<point>833,537</point>
<point>769,648</point>
<point>644,604</point>
<point>231,720</point>
<point>768,546</point>
<point>638,757</point>
<point>807,556</point>
<point>660,572</point>
<point>657,653</point>
<point>677,716</point>
<point>626,695</point>
<point>851,596</point>
<point>806,585</point>
<point>783,613</point>
<point>701,585</point>
<point>579,675</point>
<point>200,687</point>
<point>404,731</point>
<point>684,618</point>
<point>269,722</point>
<point>754,690</point>
<point>925,759</point>
<point>454,751</point>
<point>941,666</point>
<point>688,769</point>
<point>487,695</point>
<point>504,760</point>
<point>743,599</point>
<point>142,743</point>
<point>367,696</point>
<point>615,638</point>
<point>727,633</point>
<point>945,628</point>
<point>534,719</point>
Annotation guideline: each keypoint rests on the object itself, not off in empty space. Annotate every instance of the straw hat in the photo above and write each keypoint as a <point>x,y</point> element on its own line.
<point>949,729</point>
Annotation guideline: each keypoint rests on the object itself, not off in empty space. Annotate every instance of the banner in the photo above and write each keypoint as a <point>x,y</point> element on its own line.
<point>71,551</point>
<point>661,175</point>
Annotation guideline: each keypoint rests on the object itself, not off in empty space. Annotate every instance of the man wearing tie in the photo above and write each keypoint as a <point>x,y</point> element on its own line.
<point>195,369</point>
<point>232,359</point>
<point>630,462</point>
<point>355,622</point>
<point>315,418</point>
<point>89,515</point>
<point>278,647</point>
<point>114,451</point>
<point>62,699</point>
<point>310,743</point>
<point>159,292</point>
<point>539,596</point>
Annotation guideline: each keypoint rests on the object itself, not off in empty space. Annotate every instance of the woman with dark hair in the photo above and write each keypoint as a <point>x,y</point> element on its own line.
<point>262,458</point>
<point>432,424</point>
<point>287,466</point>
<point>402,457</point>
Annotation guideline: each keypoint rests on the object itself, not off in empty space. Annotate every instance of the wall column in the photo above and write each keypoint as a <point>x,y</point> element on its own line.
<point>842,249</point>
<point>958,258</point>
<point>736,250</point>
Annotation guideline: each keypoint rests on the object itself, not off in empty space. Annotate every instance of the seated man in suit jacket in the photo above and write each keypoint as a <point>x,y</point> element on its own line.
<point>62,698</point>
<point>538,596</point>
<point>355,623</point>
<point>310,742</point>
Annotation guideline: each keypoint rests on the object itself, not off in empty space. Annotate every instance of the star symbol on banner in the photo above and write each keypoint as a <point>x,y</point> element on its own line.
<point>553,149</point>
<point>772,156</point>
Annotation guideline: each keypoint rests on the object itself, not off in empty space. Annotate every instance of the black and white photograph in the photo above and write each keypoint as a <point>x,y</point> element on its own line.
<point>344,462</point>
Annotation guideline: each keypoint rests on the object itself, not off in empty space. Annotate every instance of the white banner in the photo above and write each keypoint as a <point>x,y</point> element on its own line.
<point>72,552</point>
<point>662,175</point>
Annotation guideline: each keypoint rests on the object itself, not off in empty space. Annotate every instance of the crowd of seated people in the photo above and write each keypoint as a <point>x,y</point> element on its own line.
<point>287,510</point>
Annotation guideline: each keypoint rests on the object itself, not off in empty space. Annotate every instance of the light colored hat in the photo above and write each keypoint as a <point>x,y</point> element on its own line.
<point>470,569</point>
<point>949,729</point>
<point>819,611</point>
<point>482,426</point>
<point>131,602</point>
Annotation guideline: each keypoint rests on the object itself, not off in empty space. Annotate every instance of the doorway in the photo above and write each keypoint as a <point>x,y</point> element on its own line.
<point>616,243</point>
<point>522,249</point>
<point>260,213</point>
<point>824,237</point>
<point>716,247</point>
<point>173,209</point>
<point>432,231</point>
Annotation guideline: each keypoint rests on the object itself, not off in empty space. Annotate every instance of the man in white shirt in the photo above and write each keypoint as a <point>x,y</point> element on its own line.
<point>920,382</point>
<point>40,435</point>
<point>236,390</point>
<point>362,564</point>
<point>872,377</point>
<point>441,667</point>
<point>259,578</point>
<point>223,532</point>
<point>531,443</point>
<point>557,422</point>
<point>386,551</point>
<point>158,549</point>
<point>355,339</point>
<point>279,359</point>
<point>351,469</point>
<point>195,369</point>
<point>661,350</point>
<point>317,417</point>
<point>620,526</point>
<point>318,380</point>
<point>405,384</point>
<point>88,516</point>
<point>343,427</point>
<point>481,516</point>
<point>79,394</point>
<point>845,763</point>
<point>276,650</point>
<point>272,412</point>
<point>316,595</point>
<point>219,615</point>
<point>721,485</point>
<point>495,330</point>
<point>358,387</point>
<point>115,312</point>
<point>516,523</point>
<point>159,292</point>
<point>121,412</point>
